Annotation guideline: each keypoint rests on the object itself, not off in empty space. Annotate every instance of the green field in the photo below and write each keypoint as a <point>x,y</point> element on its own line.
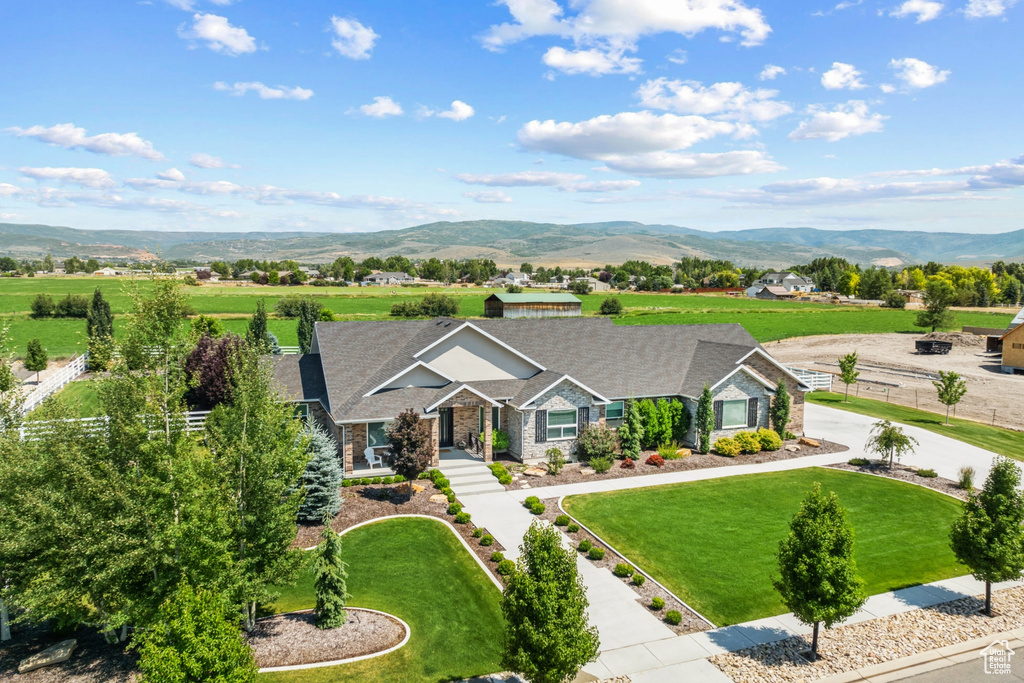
<point>83,395</point>
<point>995,439</point>
<point>713,543</point>
<point>765,320</point>
<point>417,570</point>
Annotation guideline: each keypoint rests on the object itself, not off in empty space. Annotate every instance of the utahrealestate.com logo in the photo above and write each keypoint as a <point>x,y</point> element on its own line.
<point>997,657</point>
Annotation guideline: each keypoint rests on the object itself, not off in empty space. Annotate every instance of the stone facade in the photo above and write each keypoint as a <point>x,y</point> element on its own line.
<point>739,386</point>
<point>796,397</point>
<point>562,397</point>
<point>466,407</point>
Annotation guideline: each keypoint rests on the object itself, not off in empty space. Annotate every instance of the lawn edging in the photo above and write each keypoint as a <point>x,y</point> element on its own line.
<point>336,662</point>
<point>632,564</point>
<point>448,524</point>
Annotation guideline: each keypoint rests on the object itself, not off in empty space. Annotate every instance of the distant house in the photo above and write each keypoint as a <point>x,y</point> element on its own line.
<point>595,284</point>
<point>773,292</point>
<point>532,306</point>
<point>791,282</point>
<point>58,268</point>
<point>388,278</point>
<point>105,271</point>
<point>1013,346</point>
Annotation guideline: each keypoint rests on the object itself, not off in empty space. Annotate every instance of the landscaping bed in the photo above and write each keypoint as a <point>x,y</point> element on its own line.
<point>574,473</point>
<point>690,622</point>
<point>93,661</point>
<point>293,638</point>
<point>848,648</point>
<point>904,473</point>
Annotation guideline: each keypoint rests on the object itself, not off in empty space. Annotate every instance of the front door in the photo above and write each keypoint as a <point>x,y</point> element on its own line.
<point>446,430</point>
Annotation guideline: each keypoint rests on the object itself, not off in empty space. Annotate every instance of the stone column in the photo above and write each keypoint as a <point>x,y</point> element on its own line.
<point>347,449</point>
<point>435,439</point>
<point>488,429</point>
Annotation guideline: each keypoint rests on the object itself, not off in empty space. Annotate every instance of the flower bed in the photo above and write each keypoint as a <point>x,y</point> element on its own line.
<point>293,638</point>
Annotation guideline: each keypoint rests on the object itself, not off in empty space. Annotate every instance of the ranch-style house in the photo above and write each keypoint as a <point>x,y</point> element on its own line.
<point>541,381</point>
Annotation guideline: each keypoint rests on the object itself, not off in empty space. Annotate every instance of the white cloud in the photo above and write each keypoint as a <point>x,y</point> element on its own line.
<point>171,174</point>
<point>199,187</point>
<point>281,92</point>
<point>727,100</point>
<point>592,62</point>
<point>981,9</point>
<point>618,23</point>
<point>69,136</point>
<point>678,56</point>
<point>847,4</point>
<point>219,35</point>
<point>269,194</point>
<point>770,72</point>
<point>521,179</point>
<point>924,10</point>
<point>688,165</point>
<point>352,39</point>
<point>381,107</point>
<point>917,74</point>
<point>459,111</point>
<point>201,160</point>
<point>852,118</point>
<point>95,178</point>
<point>488,197</point>
<point>601,186</point>
<point>842,76</point>
<point>189,5</point>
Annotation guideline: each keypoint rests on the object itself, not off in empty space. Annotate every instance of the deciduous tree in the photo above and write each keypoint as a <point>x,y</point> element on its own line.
<point>36,359</point>
<point>939,295</point>
<point>410,445</point>
<point>889,441</point>
<point>848,372</point>
<point>951,388</point>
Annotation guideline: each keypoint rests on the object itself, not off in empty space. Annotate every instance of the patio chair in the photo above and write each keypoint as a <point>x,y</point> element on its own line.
<point>372,458</point>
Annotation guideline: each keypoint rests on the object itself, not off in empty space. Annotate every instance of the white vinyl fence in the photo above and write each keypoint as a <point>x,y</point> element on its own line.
<point>813,379</point>
<point>283,350</point>
<point>56,381</point>
<point>195,421</point>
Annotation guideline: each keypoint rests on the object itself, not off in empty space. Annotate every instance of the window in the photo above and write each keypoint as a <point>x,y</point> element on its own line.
<point>495,417</point>
<point>561,424</point>
<point>375,434</point>
<point>734,414</point>
<point>302,411</point>
<point>480,420</point>
<point>614,410</point>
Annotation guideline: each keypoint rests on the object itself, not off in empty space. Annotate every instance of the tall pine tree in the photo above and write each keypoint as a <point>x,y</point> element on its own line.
<point>322,477</point>
<point>99,321</point>
<point>309,314</point>
<point>631,433</point>
<point>705,420</point>
<point>329,579</point>
<point>257,333</point>
<point>779,411</point>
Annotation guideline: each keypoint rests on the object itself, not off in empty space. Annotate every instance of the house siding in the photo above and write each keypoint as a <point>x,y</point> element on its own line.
<point>739,386</point>
<point>796,397</point>
<point>565,396</point>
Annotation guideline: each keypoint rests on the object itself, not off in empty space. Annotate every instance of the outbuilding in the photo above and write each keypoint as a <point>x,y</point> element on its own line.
<point>532,306</point>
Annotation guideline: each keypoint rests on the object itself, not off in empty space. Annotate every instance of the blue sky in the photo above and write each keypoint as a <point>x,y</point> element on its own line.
<point>345,116</point>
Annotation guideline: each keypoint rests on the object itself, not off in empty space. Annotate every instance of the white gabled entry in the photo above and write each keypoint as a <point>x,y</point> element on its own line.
<point>468,354</point>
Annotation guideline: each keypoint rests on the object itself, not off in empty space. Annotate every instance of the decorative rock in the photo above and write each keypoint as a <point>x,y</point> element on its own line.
<point>535,471</point>
<point>439,498</point>
<point>792,449</point>
<point>55,654</point>
<point>684,452</point>
<point>524,485</point>
<point>587,471</point>
<point>808,442</point>
<point>416,488</point>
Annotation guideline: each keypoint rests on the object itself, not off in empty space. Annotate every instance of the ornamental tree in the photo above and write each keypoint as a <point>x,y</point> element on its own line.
<point>329,579</point>
<point>194,641</point>
<point>322,477</point>
<point>411,445</point>
<point>99,321</point>
<point>309,314</point>
<point>651,422</point>
<point>548,638</point>
<point>209,369</point>
<point>818,579</point>
<point>631,433</point>
<point>36,359</point>
<point>889,441</point>
<point>951,388</point>
<point>988,537</point>
<point>705,419</point>
<point>848,372</point>
<point>779,410</point>
<point>257,334</point>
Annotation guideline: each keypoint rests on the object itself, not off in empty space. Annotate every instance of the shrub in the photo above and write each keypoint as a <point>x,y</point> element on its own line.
<point>497,469</point>
<point>486,540</point>
<point>499,440</point>
<point>627,464</point>
<point>674,617</point>
<point>72,306</point>
<point>748,442</point>
<point>859,462</point>
<point>365,481</point>
<point>770,440</point>
<point>596,553</point>
<point>668,451</point>
<point>399,478</point>
<point>375,480</point>
<point>537,508</point>
<point>622,570</point>
<point>596,442</point>
<point>556,460</point>
<point>655,460</point>
<point>441,483</point>
<point>42,306</point>
<point>638,579</point>
<point>657,604</point>
<point>611,306</point>
<point>727,447</point>
<point>388,480</point>
<point>346,483</point>
<point>965,477</point>
<point>385,494</point>
<point>289,306</point>
<point>895,300</point>
<point>573,527</point>
<point>505,479</point>
<point>584,545</point>
<point>601,465</point>
<point>426,475</point>
<point>478,532</point>
<point>530,501</point>
<point>439,306</point>
<point>562,520</point>
<point>927,473</point>
<point>450,496</point>
<point>454,508</point>
<point>462,518</point>
<point>497,556</point>
<point>506,567</point>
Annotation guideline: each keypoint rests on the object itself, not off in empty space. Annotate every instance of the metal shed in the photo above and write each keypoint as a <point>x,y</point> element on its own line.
<point>532,306</point>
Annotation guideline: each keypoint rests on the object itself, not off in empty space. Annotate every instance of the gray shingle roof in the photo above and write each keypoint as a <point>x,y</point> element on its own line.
<point>301,375</point>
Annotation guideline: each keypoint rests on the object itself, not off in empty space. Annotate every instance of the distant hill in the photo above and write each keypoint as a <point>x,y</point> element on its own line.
<point>511,242</point>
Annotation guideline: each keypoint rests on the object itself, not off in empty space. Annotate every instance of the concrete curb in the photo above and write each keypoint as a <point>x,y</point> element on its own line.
<point>335,662</point>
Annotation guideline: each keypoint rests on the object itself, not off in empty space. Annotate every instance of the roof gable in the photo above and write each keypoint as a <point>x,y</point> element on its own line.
<point>471,354</point>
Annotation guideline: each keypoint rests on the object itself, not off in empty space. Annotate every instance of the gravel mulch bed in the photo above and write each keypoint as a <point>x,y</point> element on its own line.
<point>363,503</point>
<point>847,648</point>
<point>289,639</point>
<point>93,661</point>
<point>691,623</point>
<point>904,473</point>
<point>572,474</point>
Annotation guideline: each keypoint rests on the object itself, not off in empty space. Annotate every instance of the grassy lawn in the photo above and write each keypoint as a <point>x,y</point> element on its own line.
<point>713,543</point>
<point>84,393</point>
<point>995,439</point>
<point>418,571</point>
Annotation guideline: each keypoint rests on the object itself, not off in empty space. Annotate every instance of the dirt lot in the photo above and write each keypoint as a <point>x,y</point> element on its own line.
<point>892,370</point>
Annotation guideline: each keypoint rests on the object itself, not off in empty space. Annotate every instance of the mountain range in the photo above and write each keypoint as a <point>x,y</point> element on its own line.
<point>509,243</point>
